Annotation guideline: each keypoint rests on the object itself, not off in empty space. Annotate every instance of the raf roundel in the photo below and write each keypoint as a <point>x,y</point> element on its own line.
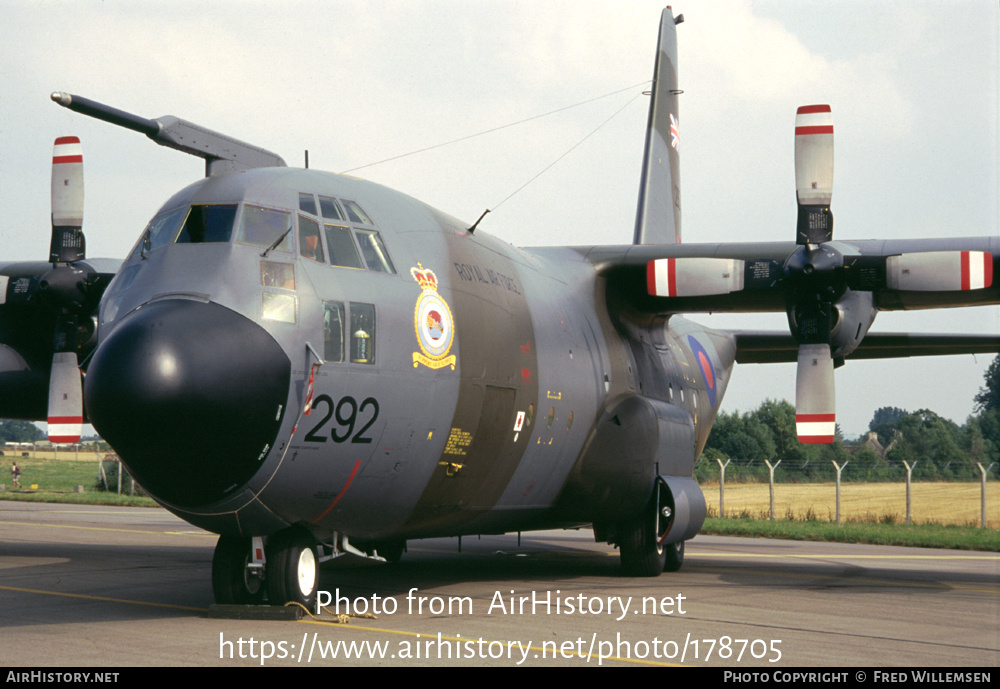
<point>432,322</point>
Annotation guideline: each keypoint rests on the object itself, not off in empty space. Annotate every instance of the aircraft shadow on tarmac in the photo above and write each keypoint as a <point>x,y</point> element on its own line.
<point>65,583</point>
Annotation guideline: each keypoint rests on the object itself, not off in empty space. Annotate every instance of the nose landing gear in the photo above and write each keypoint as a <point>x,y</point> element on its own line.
<point>235,579</point>
<point>290,572</point>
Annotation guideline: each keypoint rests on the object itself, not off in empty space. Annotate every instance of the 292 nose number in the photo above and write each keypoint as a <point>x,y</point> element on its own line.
<point>347,413</point>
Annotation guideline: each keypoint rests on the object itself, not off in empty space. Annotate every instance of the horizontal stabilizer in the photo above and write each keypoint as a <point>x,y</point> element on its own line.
<point>763,347</point>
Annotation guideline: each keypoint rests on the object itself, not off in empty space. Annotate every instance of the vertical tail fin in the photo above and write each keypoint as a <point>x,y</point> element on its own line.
<point>658,218</point>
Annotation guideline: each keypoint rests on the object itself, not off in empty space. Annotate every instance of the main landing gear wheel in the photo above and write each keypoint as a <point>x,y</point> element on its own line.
<point>675,556</point>
<point>641,554</point>
<point>641,539</point>
<point>391,550</point>
<point>234,582</point>
<point>292,568</point>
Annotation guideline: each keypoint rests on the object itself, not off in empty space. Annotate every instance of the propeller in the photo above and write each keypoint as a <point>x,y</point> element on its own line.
<point>823,288</point>
<point>65,288</point>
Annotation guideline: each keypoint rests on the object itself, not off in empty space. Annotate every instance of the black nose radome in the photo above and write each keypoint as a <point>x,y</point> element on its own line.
<point>191,396</point>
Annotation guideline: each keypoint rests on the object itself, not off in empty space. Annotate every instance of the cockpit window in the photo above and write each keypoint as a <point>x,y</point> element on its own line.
<point>161,229</point>
<point>374,251</point>
<point>355,213</point>
<point>330,208</point>
<point>208,224</point>
<point>274,274</point>
<point>309,244</point>
<point>362,333</point>
<point>266,228</point>
<point>307,203</point>
<point>342,251</point>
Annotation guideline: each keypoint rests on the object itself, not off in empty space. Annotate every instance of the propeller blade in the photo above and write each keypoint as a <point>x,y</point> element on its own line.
<point>65,399</point>
<point>814,173</point>
<point>944,271</point>
<point>815,404</point>
<point>67,201</point>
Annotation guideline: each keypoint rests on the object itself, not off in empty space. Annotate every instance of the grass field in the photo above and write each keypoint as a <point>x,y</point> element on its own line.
<point>884,503</point>
<point>56,479</point>
<point>945,515</point>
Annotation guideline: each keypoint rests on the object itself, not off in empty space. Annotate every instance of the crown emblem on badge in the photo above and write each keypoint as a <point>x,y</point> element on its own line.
<point>425,277</point>
<point>432,323</point>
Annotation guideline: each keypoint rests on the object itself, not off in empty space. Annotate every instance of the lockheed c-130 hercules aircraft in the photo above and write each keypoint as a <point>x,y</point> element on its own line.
<point>314,366</point>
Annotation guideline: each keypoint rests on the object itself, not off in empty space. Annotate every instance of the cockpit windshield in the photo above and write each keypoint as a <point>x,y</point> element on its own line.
<point>266,228</point>
<point>208,224</point>
<point>189,225</point>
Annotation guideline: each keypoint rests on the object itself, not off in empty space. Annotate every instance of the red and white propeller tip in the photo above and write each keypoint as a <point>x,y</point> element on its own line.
<point>814,155</point>
<point>65,399</point>
<point>67,182</point>
<point>815,397</point>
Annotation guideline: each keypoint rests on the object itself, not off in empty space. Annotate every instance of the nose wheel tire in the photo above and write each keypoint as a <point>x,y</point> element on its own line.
<point>292,569</point>
<point>234,582</point>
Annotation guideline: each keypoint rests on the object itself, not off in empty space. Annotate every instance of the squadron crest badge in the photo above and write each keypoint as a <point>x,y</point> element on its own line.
<point>432,322</point>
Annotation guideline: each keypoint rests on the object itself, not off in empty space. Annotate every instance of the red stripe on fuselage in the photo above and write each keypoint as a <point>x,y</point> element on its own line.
<point>340,494</point>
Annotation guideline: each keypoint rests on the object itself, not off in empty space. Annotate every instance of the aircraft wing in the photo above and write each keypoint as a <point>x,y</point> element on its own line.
<point>830,290</point>
<point>760,277</point>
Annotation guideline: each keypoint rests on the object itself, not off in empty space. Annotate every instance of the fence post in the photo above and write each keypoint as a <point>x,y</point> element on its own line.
<point>722,487</point>
<point>771,483</point>
<point>909,472</point>
<point>982,493</point>
<point>839,469</point>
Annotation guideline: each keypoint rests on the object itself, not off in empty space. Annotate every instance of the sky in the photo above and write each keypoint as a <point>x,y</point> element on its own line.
<point>913,88</point>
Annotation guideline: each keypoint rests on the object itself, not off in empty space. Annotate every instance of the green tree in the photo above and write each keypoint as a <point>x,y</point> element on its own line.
<point>886,415</point>
<point>779,417</point>
<point>15,431</point>
<point>988,397</point>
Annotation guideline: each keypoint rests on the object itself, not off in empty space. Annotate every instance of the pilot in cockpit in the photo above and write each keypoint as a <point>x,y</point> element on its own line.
<point>309,244</point>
